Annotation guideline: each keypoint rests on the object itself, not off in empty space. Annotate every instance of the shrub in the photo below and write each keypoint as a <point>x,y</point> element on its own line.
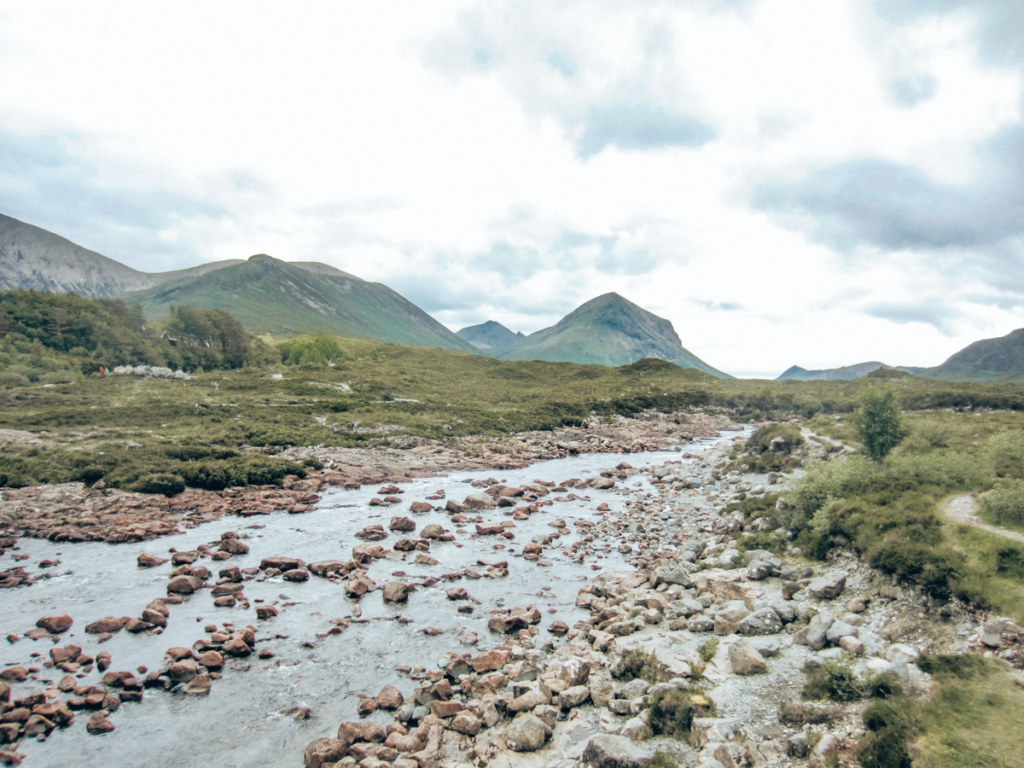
<point>963,666</point>
<point>708,649</point>
<point>879,422</point>
<point>884,686</point>
<point>935,433</point>
<point>672,712</point>
<point>834,680</point>
<point>1005,502</point>
<point>640,664</point>
<point>168,485</point>
<point>890,725</point>
<point>663,760</point>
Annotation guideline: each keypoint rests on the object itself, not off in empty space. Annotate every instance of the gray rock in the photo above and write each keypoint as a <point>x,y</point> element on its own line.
<point>901,654</point>
<point>759,570</point>
<point>764,621</point>
<point>814,634</point>
<point>687,607</point>
<point>828,587</point>
<point>745,660</point>
<point>786,612</point>
<point>527,733</point>
<point>574,697</point>
<point>634,689</point>
<point>636,730</point>
<point>796,746</point>
<point>766,646</point>
<point>840,629</point>
<point>607,751</point>
<point>727,620</point>
<point>672,574</point>
<point>700,624</point>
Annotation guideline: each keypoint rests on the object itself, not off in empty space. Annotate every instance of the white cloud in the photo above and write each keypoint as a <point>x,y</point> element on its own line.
<point>511,160</point>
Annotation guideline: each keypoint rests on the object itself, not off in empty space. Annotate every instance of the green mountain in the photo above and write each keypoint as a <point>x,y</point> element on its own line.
<point>999,359</point>
<point>38,260</point>
<point>490,335</point>
<point>271,296</point>
<point>608,330</point>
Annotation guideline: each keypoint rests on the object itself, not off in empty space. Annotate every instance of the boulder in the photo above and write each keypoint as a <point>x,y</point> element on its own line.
<point>432,531</point>
<point>745,660</point>
<point>764,621</point>
<point>466,723</point>
<point>184,585</point>
<point>108,624</point>
<point>56,624</point>
<point>479,501</point>
<point>727,620</point>
<point>281,563</point>
<point>527,733</point>
<point>828,587</point>
<point>325,751</point>
<point>389,698</point>
<point>395,592</point>
<point>402,525</point>
<point>296,575</point>
<point>146,560</point>
<point>608,751</point>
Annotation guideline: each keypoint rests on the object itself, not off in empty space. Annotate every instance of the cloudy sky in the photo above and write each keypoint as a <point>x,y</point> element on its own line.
<point>812,182</point>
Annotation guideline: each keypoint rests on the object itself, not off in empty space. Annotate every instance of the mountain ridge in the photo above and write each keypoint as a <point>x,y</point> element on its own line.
<point>490,335</point>
<point>607,330</point>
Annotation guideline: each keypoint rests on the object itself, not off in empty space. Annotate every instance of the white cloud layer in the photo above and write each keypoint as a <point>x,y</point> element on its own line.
<point>787,181</point>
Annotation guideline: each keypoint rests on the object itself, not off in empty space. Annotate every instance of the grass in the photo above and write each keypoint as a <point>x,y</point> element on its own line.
<point>973,719</point>
<point>639,664</point>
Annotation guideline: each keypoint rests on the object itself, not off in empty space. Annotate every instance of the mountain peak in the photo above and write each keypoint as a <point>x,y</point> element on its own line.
<point>489,335</point>
<point>607,330</point>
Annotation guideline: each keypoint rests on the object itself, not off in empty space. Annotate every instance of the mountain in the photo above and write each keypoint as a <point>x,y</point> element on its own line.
<point>999,359</point>
<point>608,330</point>
<point>31,257</point>
<point>271,296</point>
<point>490,335</point>
<point>846,373</point>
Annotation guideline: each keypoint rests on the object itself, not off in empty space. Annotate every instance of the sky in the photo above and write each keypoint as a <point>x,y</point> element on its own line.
<point>809,182</point>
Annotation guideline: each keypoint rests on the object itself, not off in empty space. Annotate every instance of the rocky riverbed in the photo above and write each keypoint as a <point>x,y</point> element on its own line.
<point>487,617</point>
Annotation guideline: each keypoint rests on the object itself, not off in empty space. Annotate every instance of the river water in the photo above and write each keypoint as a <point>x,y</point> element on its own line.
<point>242,722</point>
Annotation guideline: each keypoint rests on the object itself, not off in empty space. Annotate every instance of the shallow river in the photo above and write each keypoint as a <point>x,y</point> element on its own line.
<point>242,722</point>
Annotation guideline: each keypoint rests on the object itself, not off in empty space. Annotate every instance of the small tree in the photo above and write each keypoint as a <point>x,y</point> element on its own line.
<point>879,422</point>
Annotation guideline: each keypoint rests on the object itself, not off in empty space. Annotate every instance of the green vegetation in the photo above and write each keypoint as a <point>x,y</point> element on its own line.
<point>48,338</point>
<point>673,711</point>
<point>1004,504</point>
<point>663,760</point>
<point>835,681</point>
<point>973,718</point>
<point>318,350</point>
<point>879,422</point>
<point>770,449</point>
<point>708,649</point>
<point>642,665</point>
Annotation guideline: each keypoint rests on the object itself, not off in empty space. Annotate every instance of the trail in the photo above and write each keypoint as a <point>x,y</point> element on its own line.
<point>960,509</point>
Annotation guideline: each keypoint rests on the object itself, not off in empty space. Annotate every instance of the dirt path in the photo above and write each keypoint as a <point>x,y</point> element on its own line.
<point>960,509</point>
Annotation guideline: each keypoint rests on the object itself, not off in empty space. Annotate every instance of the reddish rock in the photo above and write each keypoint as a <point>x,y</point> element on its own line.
<point>445,709</point>
<point>184,585</point>
<point>396,592</point>
<point>57,624</point>
<point>102,660</point>
<point>107,624</point>
<point>359,586</point>
<point>14,675</point>
<point>99,724</point>
<point>147,560</point>
<point>296,574</point>
<point>365,553</point>
<point>234,547</point>
<point>56,712</point>
<point>402,525</point>
<point>490,661</point>
<point>454,507</point>
<point>389,698</point>
<point>282,563</point>
<point>457,593</point>
<point>325,568</point>
<point>366,706</point>
<point>432,531</point>
<point>184,558</point>
<point>199,685</point>
<point>372,533</point>
<point>264,612</point>
<point>558,628</point>
<point>325,752</point>
<point>420,507</point>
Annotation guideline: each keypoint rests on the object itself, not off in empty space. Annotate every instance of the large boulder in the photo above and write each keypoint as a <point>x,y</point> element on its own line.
<point>325,751</point>
<point>608,751</point>
<point>828,587</point>
<point>56,624</point>
<point>745,660</point>
<point>396,592</point>
<point>527,733</point>
<point>764,621</point>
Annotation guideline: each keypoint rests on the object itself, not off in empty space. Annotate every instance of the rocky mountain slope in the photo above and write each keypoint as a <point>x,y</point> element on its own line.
<point>999,359</point>
<point>608,330</point>
<point>846,373</point>
<point>490,335</point>
<point>34,258</point>
<point>271,296</point>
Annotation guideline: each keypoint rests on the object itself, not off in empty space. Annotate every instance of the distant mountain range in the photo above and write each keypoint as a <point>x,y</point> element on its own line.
<point>267,295</point>
<point>490,335</point>
<point>1000,359</point>
<point>847,373</point>
<point>608,330</point>
<point>33,258</point>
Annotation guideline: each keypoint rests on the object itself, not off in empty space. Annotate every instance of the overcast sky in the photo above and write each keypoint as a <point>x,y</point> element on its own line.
<point>811,182</point>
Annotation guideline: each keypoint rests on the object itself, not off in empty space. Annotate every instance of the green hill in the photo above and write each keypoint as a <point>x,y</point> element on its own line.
<point>271,296</point>
<point>999,359</point>
<point>608,330</point>
<point>490,335</point>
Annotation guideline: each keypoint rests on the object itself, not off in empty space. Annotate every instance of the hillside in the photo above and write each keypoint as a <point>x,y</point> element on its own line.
<point>846,373</point>
<point>608,330</point>
<point>490,335</point>
<point>271,296</point>
<point>1000,359</point>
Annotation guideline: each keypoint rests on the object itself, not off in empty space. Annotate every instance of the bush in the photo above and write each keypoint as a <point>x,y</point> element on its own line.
<point>963,666</point>
<point>663,760</point>
<point>884,686</point>
<point>834,680</point>
<point>168,485</point>
<point>879,422</point>
<point>708,649</point>
<point>672,712</point>
<point>890,726</point>
<point>1004,503</point>
<point>640,664</point>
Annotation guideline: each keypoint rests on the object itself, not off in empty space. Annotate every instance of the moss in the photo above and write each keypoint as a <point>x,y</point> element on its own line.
<point>642,665</point>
